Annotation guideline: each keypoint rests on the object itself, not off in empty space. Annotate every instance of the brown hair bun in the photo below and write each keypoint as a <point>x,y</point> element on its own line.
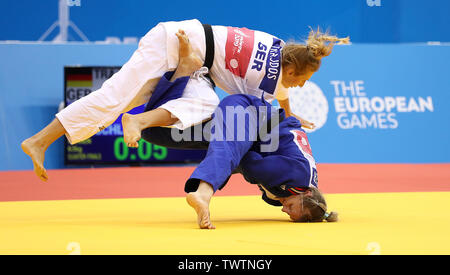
<point>332,217</point>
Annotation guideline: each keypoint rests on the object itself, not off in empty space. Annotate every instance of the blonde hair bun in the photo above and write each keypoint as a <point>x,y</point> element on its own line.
<point>320,44</point>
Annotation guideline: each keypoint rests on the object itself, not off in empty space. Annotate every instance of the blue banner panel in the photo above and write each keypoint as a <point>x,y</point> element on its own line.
<point>379,104</point>
<point>373,103</point>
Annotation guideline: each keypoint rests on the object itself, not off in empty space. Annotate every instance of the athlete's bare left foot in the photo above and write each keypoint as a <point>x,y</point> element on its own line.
<point>131,130</point>
<point>189,62</point>
<point>201,206</point>
<point>37,154</point>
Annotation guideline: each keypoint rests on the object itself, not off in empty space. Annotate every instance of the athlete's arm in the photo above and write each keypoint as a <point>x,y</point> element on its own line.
<point>287,108</point>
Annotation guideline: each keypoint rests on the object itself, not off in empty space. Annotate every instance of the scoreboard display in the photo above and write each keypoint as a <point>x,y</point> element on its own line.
<point>108,146</point>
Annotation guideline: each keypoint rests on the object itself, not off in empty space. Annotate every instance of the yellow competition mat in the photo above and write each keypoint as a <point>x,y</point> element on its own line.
<point>376,223</point>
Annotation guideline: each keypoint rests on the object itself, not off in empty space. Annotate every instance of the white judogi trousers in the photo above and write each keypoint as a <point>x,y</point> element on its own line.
<point>96,111</point>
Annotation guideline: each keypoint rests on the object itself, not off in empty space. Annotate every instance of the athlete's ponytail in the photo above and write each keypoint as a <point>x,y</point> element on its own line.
<point>321,44</point>
<point>315,208</point>
<point>331,217</point>
<point>307,57</point>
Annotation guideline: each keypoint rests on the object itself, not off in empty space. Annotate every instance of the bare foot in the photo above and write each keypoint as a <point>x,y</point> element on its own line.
<point>201,206</point>
<point>37,154</point>
<point>131,130</point>
<point>189,61</point>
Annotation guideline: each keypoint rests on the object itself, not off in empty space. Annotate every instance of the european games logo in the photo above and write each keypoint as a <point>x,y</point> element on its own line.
<point>353,107</point>
<point>309,103</point>
<point>356,109</point>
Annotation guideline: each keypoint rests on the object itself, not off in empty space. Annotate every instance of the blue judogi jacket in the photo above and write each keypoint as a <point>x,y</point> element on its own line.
<point>284,171</point>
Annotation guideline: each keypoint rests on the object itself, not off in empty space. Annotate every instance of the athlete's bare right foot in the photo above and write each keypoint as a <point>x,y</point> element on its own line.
<point>201,206</point>
<point>131,130</point>
<point>189,62</point>
<point>37,153</point>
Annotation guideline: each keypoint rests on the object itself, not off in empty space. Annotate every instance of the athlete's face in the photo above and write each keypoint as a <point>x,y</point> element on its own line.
<point>290,79</point>
<point>293,205</point>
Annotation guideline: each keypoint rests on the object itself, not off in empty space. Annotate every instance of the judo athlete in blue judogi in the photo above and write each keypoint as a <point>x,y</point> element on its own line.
<point>247,135</point>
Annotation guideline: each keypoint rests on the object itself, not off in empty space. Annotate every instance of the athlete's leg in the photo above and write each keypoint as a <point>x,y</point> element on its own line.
<point>200,200</point>
<point>36,146</point>
<point>128,88</point>
<point>225,151</point>
<point>134,124</point>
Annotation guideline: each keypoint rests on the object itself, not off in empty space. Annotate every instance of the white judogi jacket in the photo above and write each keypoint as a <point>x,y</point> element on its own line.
<point>245,61</point>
